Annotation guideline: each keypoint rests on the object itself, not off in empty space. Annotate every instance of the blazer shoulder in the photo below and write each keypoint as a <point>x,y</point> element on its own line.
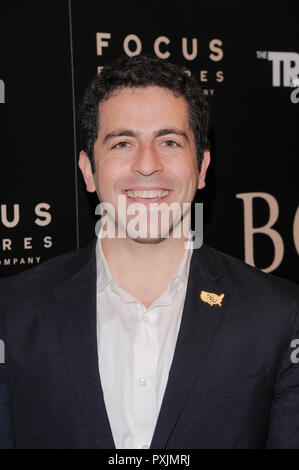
<point>251,279</point>
<point>46,276</point>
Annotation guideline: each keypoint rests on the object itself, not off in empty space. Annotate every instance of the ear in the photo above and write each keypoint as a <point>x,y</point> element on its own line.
<point>203,169</point>
<point>85,167</point>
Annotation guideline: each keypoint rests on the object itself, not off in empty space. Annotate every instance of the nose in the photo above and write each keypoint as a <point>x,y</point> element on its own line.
<point>147,161</point>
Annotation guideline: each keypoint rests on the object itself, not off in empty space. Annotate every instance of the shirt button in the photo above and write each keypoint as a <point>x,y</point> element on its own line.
<point>145,318</point>
<point>143,381</point>
<point>145,447</point>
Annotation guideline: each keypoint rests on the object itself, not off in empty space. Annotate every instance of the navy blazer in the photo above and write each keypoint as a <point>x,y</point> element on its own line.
<point>232,383</point>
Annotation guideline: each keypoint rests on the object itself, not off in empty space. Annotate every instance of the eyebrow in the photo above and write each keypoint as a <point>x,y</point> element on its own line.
<point>130,133</point>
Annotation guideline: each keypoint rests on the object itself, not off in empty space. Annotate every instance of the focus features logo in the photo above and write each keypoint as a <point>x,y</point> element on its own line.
<point>285,70</point>
<point>132,45</point>
<point>10,218</point>
<point>2,92</point>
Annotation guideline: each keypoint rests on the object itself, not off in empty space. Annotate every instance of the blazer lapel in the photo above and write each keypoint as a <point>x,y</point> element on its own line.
<point>76,315</point>
<point>198,328</point>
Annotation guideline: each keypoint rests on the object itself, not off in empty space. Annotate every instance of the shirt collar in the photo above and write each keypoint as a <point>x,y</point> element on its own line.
<point>104,276</point>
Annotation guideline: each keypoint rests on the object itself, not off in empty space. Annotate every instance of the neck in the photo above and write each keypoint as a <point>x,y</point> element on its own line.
<point>143,269</point>
<point>144,257</point>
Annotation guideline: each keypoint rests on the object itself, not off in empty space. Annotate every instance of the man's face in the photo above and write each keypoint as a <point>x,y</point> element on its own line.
<point>144,144</point>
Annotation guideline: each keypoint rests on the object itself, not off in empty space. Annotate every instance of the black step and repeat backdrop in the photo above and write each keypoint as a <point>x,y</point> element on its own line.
<point>246,56</point>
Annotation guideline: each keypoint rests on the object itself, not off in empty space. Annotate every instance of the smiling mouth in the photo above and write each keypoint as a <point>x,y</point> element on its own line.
<point>147,194</point>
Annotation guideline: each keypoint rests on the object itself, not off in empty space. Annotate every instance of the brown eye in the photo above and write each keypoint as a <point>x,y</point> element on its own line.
<point>171,143</point>
<point>121,145</point>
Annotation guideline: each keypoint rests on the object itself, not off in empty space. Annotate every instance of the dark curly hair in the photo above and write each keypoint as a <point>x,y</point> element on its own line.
<point>136,72</point>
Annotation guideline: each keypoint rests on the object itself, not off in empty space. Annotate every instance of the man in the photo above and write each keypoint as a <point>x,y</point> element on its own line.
<point>135,341</point>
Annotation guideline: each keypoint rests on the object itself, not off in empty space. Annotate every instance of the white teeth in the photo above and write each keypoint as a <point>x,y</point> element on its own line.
<point>147,194</point>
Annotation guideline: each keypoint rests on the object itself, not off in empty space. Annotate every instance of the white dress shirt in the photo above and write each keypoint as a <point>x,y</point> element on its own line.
<point>135,349</point>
